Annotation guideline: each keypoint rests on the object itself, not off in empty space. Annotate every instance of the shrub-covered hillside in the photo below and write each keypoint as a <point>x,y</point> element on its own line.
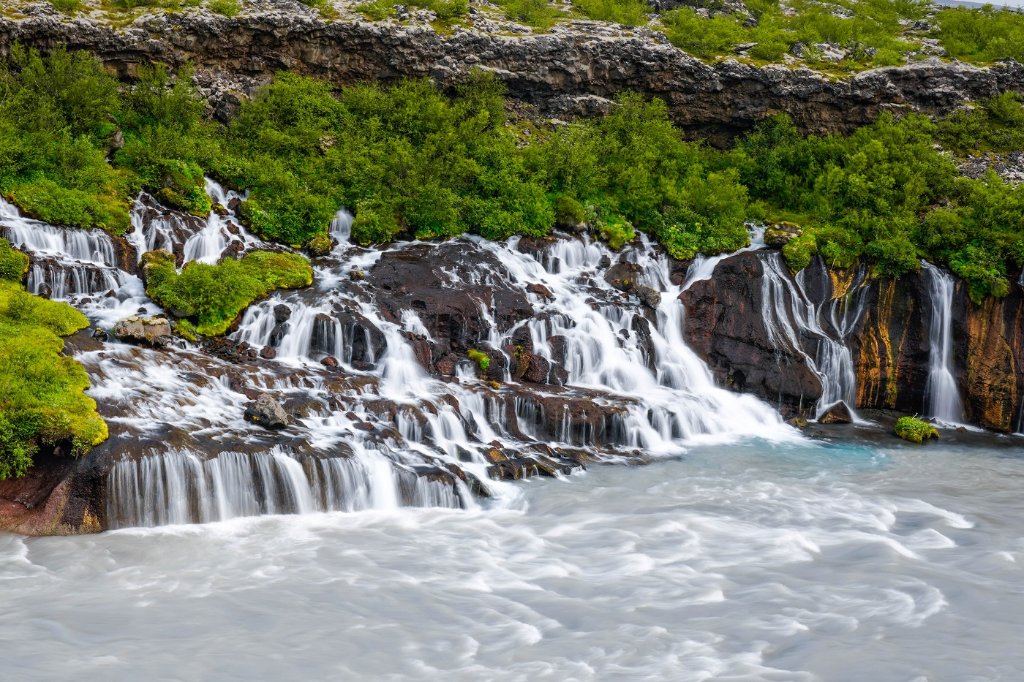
<point>411,161</point>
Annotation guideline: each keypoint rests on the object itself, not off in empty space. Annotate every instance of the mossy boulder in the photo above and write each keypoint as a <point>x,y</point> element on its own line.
<point>915,430</point>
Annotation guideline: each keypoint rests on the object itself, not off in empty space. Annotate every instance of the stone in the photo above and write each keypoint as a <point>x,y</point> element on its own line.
<point>649,296</point>
<point>282,313</point>
<point>151,331</point>
<point>268,353</point>
<point>780,234</point>
<point>330,361</point>
<point>540,290</point>
<point>838,413</point>
<point>266,412</point>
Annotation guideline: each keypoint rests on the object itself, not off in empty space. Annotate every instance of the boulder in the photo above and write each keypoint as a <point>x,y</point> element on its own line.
<point>839,413</point>
<point>266,412</point>
<point>780,234</point>
<point>282,313</point>
<point>150,331</point>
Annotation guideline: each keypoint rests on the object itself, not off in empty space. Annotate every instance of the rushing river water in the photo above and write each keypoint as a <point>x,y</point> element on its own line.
<point>746,562</point>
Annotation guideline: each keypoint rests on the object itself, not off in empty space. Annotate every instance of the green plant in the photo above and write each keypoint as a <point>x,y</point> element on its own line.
<point>227,8</point>
<point>211,297</point>
<point>915,430</point>
<point>626,12</point>
<point>482,360</point>
<point>13,264</point>
<point>66,6</point>
<point>537,13</point>
<point>42,399</point>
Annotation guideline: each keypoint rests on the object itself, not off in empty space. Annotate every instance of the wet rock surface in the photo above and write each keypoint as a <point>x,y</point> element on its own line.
<point>267,412</point>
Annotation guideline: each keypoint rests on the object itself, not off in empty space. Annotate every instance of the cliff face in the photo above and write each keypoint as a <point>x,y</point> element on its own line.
<point>887,338</point>
<point>574,69</point>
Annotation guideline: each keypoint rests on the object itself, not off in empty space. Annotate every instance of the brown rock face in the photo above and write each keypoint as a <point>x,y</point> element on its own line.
<point>994,373</point>
<point>571,70</point>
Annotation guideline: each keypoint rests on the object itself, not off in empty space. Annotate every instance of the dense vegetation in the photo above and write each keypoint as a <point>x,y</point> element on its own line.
<point>411,161</point>
<point>915,430</point>
<point>210,297</point>
<point>41,391</point>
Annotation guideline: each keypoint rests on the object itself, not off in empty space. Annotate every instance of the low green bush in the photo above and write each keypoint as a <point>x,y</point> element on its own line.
<point>13,263</point>
<point>625,12</point>
<point>211,297</point>
<point>42,399</point>
<point>981,35</point>
<point>915,430</point>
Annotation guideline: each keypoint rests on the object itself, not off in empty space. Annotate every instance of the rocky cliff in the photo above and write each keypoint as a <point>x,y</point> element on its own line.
<point>885,326</point>
<point>574,69</point>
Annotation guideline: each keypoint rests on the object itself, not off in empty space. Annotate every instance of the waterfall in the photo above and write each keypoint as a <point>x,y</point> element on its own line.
<point>943,395</point>
<point>378,431</point>
<point>180,486</point>
<point>790,317</point>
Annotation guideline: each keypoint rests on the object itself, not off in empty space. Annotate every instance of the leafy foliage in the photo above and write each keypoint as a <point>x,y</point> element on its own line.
<point>625,12</point>
<point>41,391</point>
<point>915,430</point>
<point>212,296</point>
<point>869,31</point>
<point>13,264</point>
<point>982,35</point>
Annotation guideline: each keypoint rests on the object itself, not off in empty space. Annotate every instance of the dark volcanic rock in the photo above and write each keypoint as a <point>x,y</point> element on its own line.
<point>451,287</point>
<point>836,414</point>
<point>724,326</point>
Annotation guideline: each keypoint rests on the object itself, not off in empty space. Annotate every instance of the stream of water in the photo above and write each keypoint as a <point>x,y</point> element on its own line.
<point>755,562</point>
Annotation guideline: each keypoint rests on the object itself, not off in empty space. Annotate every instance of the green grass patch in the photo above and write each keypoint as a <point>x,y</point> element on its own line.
<point>915,430</point>
<point>536,13</point>
<point>982,35</point>
<point>211,297</point>
<point>42,399</point>
<point>625,12</point>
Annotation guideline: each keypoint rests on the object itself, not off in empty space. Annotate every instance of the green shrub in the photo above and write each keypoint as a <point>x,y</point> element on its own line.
<point>537,13</point>
<point>66,6</point>
<point>915,430</point>
<point>227,8</point>
<point>211,297</point>
<point>13,264</point>
<point>981,35</point>
<point>568,211</point>
<point>625,12</point>
<point>42,399</point>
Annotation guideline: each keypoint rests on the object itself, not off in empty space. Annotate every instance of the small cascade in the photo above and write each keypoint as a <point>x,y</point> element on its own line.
<point>341,227</point>
<point>189,237</point>
<point>943,395</point>
<point>793,320</point>
<point>67,245</point>
<point>703,267</point>
<point>180,486</point>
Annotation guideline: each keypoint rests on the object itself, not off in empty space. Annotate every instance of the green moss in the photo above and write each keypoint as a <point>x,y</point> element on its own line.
<point>13,264</point>
<point>568,211</point>
<point>915,430</point>
<point>211,297</point>
<point>227,8</point>
<point>482,360</point>
<point>42,399</point>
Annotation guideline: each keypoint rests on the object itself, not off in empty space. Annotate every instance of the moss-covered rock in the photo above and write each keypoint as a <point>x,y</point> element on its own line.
<point>915,430</point>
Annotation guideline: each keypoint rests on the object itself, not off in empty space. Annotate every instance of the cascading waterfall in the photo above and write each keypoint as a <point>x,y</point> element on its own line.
<point>382,433</point>
<point>181,486</point>
<point>790,315</point>
<point>943,395</point>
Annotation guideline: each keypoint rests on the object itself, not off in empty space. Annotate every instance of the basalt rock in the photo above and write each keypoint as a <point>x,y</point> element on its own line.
<point>838,413</point>
<point>421,280</point>
<point>725,327</point>
<point>574,69</point>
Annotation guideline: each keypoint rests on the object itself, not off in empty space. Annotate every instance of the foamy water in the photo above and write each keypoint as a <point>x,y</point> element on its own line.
<point>758,562</point>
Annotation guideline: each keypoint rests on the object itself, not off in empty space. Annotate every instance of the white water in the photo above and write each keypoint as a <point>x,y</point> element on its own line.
<point>943,395</point>
<point>791,316</point>
<point>789,563</point>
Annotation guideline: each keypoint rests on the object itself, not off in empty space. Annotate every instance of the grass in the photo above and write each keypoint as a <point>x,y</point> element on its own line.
<point>211,297</point>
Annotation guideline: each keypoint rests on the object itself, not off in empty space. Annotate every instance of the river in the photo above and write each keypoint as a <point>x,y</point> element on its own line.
<point>795,562</point>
